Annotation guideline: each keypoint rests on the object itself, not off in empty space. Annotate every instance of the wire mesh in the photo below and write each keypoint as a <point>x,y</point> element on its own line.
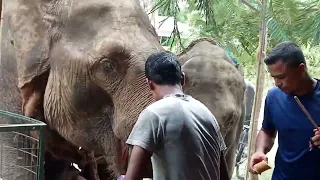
<point>21,147</point>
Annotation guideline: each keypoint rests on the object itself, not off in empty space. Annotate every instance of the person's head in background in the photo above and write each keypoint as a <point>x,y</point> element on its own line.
<point>287,65</point>
<point>164,75</point>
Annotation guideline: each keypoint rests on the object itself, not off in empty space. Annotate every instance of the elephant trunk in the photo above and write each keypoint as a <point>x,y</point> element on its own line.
<point>129,103</point>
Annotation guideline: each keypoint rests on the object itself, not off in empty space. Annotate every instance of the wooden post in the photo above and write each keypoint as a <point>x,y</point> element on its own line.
<point>1,10</point>
<point>259,85</point>
<point>1,25</point>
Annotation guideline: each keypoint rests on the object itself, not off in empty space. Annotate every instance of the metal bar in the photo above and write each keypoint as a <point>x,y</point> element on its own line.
<point>29,137</point>
<point>20,127</point>
<point>36,126</point>
<point>21,117</point>
<point>41,154</point>
<point>20,149</point>
<point>20,167</point>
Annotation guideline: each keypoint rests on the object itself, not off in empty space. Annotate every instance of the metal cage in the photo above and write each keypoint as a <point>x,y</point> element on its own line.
<point>21,147</point>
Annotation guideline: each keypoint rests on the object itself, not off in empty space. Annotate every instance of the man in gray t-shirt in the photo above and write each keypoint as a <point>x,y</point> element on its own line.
<point>179,133</point>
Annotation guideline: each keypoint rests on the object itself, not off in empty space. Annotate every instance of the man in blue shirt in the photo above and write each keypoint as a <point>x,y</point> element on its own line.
<point>282,115</point>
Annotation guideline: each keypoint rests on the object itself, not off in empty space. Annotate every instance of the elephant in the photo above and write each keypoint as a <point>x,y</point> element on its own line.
<point>214,79</point>
<point>78,66</point>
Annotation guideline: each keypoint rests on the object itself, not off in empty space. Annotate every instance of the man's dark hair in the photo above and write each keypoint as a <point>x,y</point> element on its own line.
<point>288,52</point>
<point>163,68</point>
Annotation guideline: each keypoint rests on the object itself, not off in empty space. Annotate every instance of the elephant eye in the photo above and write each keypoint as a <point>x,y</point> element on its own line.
<point>108,66</point>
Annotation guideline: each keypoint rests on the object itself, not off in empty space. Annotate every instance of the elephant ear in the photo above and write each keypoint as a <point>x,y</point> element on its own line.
<point>31,46</point>
<point>30,39</point>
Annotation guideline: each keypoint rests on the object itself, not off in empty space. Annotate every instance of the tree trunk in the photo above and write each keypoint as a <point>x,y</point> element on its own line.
<point>259,85</point>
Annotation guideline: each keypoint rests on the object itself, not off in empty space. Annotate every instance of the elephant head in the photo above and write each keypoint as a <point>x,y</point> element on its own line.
<point>97,70</point>
<point>80,66</point>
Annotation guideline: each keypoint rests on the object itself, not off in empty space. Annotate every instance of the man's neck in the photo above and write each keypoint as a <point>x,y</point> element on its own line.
<point>166,90</point>
<point>307,86</point>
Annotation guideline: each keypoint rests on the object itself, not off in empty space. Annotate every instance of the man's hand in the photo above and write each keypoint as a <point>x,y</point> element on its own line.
<point>255,159</point>
<point>316,138</point>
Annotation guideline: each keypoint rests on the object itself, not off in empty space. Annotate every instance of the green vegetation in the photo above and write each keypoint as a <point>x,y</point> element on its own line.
<point>235,26</point>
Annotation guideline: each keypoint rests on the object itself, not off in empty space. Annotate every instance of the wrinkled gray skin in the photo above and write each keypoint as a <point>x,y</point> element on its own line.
<point>214,79</point>
<point>78,65</point>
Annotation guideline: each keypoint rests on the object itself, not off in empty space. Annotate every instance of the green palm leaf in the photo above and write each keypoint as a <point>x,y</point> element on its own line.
<point>276,31</point>
<point>236,25</point>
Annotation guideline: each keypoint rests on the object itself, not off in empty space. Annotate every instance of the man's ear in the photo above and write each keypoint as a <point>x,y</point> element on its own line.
<point>183,80</point>
<point>302,68</point>
<point>150,84</point>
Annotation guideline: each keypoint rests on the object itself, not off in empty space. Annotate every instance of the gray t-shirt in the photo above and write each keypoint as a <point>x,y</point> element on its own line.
<point>183,136</point>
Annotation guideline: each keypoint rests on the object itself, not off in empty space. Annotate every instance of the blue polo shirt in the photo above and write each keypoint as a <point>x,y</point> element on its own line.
<point>293,160</point>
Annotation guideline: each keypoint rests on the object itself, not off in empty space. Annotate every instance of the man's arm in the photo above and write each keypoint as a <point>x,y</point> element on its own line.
<point>265,137</point>
<point>265,140</point>
<point>268,132</point>
<point>145,138</point>
<point>224,175</point>
<point>139,160</point>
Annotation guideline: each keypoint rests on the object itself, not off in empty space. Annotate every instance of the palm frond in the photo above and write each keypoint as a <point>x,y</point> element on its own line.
<point>205,8</point>
<point>236,25</point>
<point>276,31</point>
<point>308,23</point>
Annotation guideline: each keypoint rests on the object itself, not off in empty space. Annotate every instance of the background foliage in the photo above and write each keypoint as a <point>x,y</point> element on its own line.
<point>235,25</point>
